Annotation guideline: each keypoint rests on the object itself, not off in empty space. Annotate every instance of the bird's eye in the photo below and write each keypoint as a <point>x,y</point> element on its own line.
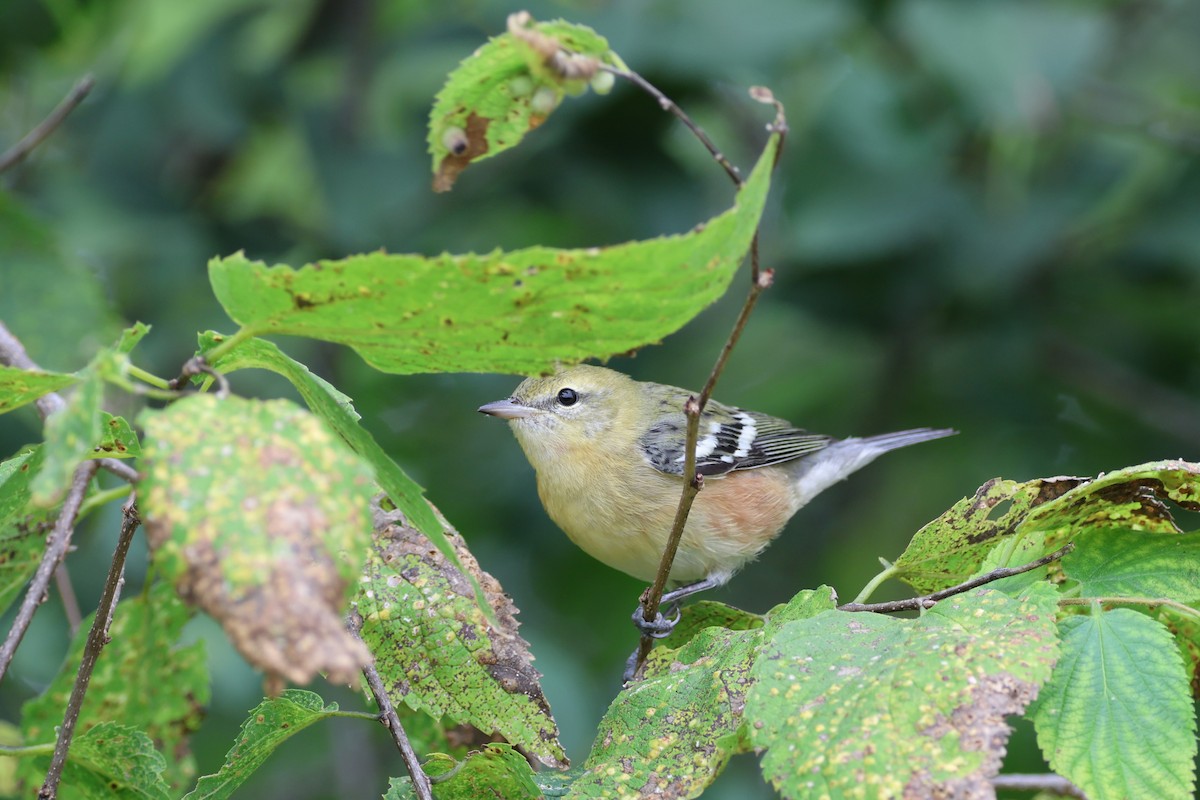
<point>567,397</point>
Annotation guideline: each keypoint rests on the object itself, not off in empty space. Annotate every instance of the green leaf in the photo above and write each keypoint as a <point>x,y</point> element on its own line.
<point>117,438</point>
<point>269,725</point>
<point>22,537</point>
<point>708,614</point>
<point>261,517</point>
<point>526,311</point>
<point>438,652</point>
<point>1123,563</point>
<point>75,432</point>
<point>926,698</point>
<point>1116,717</point>
<point>502,91</point>
<point>111,761</point>
<point>950,548</point>
<point>145,679</point>
<point>497,770</point>
<point>21,386</point>
<point>1050,513</point>
<point>71,435</point>
<point>672,733</point>
<point>337,410</point>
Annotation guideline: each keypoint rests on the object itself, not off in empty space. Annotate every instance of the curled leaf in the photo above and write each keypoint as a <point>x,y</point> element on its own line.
<point>507,88</point>
<point>260,516</point>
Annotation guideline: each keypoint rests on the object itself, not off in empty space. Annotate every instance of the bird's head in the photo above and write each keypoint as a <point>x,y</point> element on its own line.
<point>572,407</point>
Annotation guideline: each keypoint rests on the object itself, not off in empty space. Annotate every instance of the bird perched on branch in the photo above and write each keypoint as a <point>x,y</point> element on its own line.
<point>609,456</point>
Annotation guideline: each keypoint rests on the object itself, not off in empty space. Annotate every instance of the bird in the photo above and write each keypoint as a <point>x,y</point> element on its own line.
<point>608,453</point>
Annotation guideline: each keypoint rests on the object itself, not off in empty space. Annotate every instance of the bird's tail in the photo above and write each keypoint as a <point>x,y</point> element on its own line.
<point>890,441</point>
<point>816,473</point>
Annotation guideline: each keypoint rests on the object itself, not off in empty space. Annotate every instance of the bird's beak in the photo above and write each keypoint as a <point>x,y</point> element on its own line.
<point>507,409</point>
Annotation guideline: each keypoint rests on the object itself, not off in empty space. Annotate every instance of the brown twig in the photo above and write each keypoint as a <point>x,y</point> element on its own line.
<point>390,720</point>
<point>760,280</point>
<point>930,600</point>
<point>17,153</point>
<point>198,365</point>
<point>668,105</point>
<point>1055,784</point>
<point>56,547</point>
<point>97,638</point>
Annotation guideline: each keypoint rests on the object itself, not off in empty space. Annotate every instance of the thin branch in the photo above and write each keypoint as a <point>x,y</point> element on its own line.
<point>1055,784</point>
<point>17,153</point>
<point>391,721</point>
<point>56,549</point>
<point>200,366</point>
<point>1149,602</point>
<point>119,468</point>
<point>930,600</point>
<point>668,105</point>
<point>97,638</point>
<point>652,597</point>
<point>760,280</point>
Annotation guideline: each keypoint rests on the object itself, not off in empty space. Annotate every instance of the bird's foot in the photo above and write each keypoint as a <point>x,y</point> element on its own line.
<point>660,627</point>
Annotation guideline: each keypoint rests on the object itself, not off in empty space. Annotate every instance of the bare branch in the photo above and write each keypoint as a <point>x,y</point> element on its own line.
<point>56,548</point>
<point>97,638</point>
<point>930,600</point>
<point>390,720</point>
<point>760,280</point>
<point>1055,784</point>
<point>17,153</point>
<point>668,105</point>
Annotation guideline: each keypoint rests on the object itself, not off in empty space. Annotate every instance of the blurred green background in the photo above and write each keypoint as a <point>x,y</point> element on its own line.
<point>987,216</point>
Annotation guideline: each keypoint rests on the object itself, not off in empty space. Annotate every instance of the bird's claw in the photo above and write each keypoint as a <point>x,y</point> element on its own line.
<point>660,627</point>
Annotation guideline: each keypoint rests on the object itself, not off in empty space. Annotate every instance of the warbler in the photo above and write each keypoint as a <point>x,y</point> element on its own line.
<point>609,456</point>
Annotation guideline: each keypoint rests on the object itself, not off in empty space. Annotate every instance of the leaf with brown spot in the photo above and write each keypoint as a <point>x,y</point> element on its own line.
<point>271,723</point>
<point>525,311</point>
<point>261,517</point>
<point>22,528</point>
<point>495,771</point>
<point>671,734</point>
<point>950,548</point>
<point>21,386</point>
<point>850,705</point>
<point>146,679</point>
<point>504,90</point>
<point>435,648</point>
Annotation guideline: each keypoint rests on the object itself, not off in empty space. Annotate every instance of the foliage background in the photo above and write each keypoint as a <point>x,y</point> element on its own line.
<point>985,218</point>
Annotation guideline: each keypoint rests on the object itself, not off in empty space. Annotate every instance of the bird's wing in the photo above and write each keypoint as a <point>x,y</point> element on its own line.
<point>729,439</point>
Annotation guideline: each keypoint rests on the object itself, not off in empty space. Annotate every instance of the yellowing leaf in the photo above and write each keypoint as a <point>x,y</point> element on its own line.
<point>261,517</point>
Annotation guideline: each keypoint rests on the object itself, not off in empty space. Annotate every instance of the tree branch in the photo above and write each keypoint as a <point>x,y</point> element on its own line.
<point>17,153</point>
<point>760,280</point>
<point>97,638</point>
<point>1055,784</point>
<point>56,548</point>
<point>930,600</point>
<point>391,721</point>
